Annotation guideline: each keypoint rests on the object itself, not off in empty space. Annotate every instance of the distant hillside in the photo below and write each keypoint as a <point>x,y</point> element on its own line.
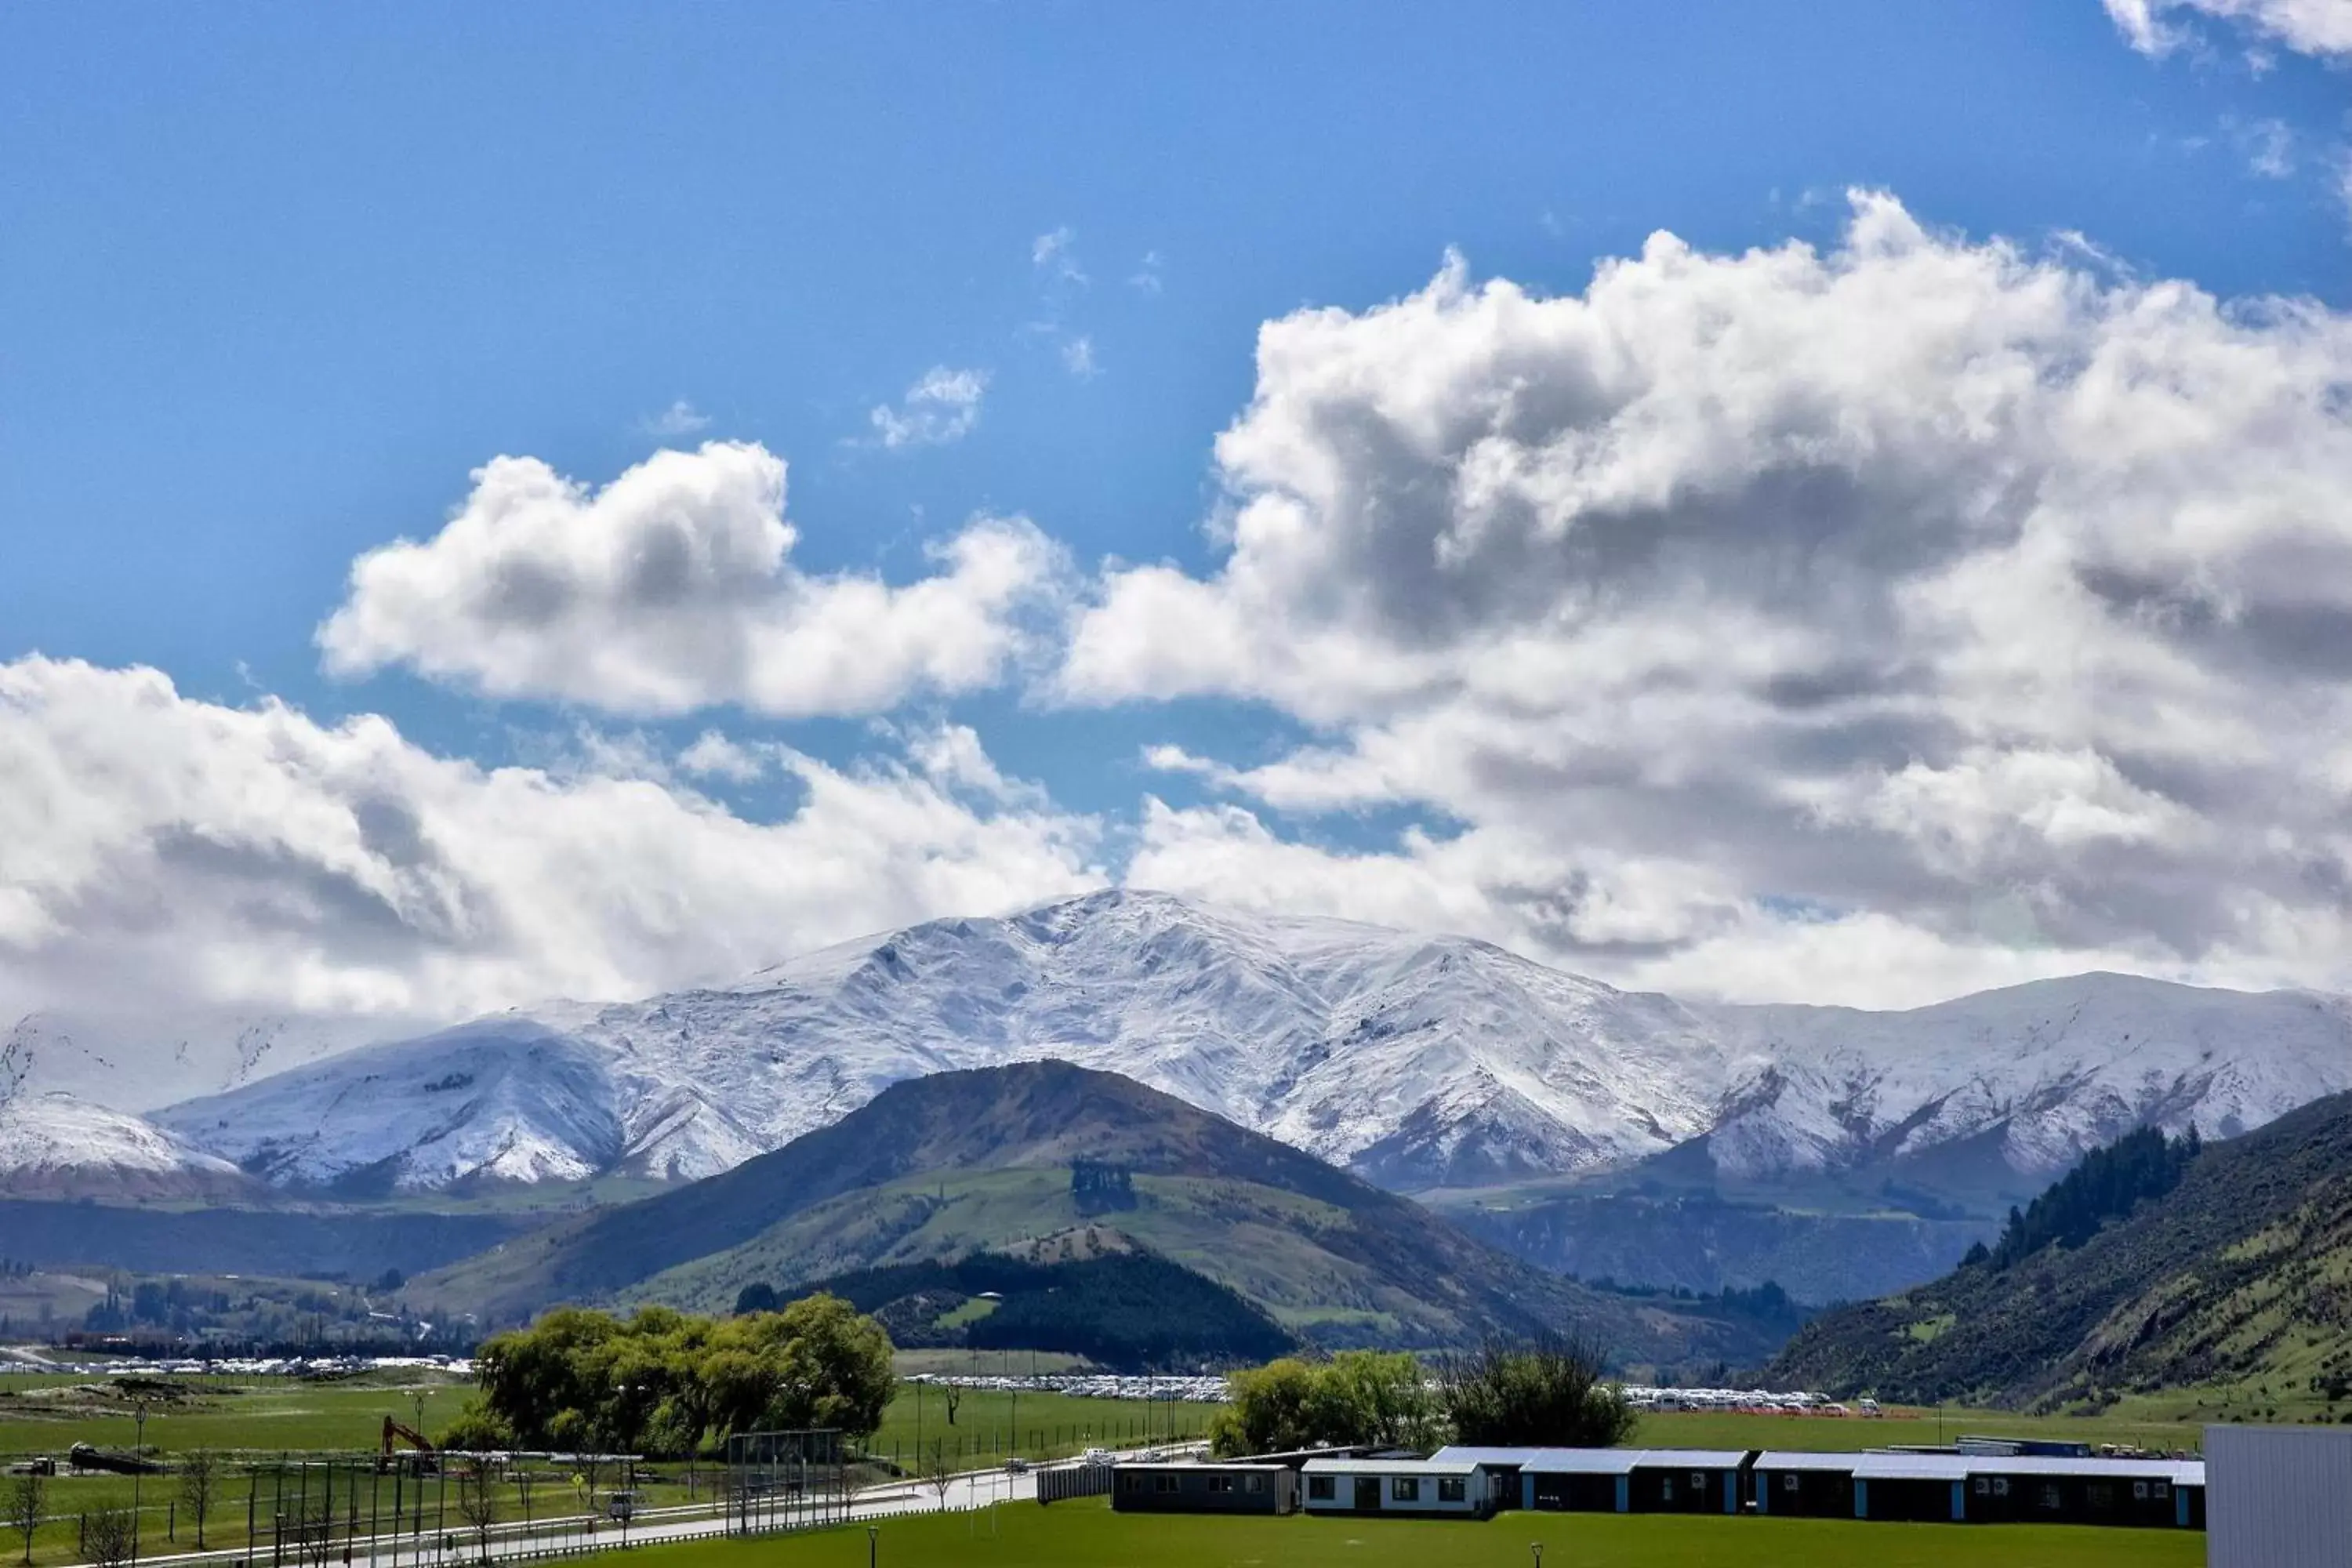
<point>1118,1307</point>
<point>1703,1242</point>
<point>245,1240</point>
<point>937,1168</point>
<point>2242,1273</point>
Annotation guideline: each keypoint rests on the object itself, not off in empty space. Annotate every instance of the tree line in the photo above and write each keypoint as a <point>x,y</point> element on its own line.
<point>2107,1184</point>
<point>665,1384</point>
<point>1548,1390</point>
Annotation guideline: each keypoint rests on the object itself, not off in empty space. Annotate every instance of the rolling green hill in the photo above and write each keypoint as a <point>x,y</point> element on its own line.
<point>941,1167</point>
<point>2239,1276</point>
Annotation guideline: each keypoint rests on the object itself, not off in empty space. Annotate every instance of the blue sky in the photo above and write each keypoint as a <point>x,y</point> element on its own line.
<point>276,280</point>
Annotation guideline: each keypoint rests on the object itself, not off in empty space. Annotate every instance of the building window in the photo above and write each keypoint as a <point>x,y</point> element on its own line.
<point>1126,1483</point>
<point>1665,1488</point>
<point>1221,1483</point>
<point>1257,1483</point>
<point>2102,1495</point>
<point>1451,1489</point>
<point>1404,1488</point>
<point>2051,1499</point>
<point>2001,1485</point>
<point>1163,1483</point>
<point>1319,1488</point>
<point>1984,1486</point>
<point>2163,1489</point>
<point>1789,1482</point>
<point>2139,1492</point>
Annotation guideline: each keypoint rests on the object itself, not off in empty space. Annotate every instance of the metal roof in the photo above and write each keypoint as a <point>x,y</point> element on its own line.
<point>1882,1465</point>
<point>1194,1467</point>
<point>1598,1461</point>
<point>1389,1467</point>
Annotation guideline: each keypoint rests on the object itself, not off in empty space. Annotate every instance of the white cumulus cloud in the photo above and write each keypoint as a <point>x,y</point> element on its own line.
<point>1865,623</point>
<point>2308,26</point>
<point>672,588</point>
<point>181,857</point>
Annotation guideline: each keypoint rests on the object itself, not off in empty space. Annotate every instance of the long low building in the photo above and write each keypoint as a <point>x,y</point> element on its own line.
<point>1981,1488</point>
<point>1615,1480</point>
<point>1202,1486</point>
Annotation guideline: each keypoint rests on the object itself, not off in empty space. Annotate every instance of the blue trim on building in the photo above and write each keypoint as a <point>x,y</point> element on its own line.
<point>1960,1502</point>
<point>1624,1494</point>
<point>1861,1498</point>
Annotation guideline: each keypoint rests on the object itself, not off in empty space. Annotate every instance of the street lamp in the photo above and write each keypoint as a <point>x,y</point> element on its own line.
<point>139,1454</point>
<point>1537,1547</point>
<point>873,1544</point>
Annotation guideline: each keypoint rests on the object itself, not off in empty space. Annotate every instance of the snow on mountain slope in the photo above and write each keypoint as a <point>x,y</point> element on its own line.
<point>1421,1060</point>
<point>498,1100</point>
<point>2051,1068</point>
<point>55,1145</point>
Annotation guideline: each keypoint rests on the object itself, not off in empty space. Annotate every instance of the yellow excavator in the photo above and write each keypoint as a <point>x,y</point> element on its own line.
<point>395,1432</point>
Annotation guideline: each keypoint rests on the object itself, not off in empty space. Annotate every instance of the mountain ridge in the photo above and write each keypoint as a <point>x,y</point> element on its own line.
<point>1422,1061</point>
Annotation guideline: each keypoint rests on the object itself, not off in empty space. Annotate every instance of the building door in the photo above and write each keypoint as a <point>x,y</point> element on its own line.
<point>1368,1494</point>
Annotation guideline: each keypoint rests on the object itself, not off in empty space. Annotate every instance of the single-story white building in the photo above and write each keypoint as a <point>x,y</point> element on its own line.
<point>1416,1487</point>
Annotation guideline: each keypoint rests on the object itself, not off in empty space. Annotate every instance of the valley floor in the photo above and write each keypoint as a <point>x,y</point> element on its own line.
<point>1088,1535</point>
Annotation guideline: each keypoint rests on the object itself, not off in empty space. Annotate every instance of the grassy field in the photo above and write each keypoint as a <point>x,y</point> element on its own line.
<point>1088,1535</point>
<point>47,1413</point>
<point>1050,1425</point>
<point>2150,1425</point>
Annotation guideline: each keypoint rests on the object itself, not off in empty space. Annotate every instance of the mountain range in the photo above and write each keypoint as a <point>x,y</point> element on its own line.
<point>1509,1091</point>
<point>1420,1062</point>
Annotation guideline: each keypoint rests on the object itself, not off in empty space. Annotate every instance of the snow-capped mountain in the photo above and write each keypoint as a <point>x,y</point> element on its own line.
<point>501,1098</point>
<point>55,1145</point>
<point>1420,1060</point>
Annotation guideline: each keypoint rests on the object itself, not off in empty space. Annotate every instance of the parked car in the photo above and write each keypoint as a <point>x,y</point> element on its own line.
<point>1097,1457</point>
<point>1016,1466</point>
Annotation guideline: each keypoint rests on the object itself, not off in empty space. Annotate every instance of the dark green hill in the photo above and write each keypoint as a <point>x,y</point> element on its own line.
<point>1124,1308</point>
<point>937,1168</point>
<point>2146,1270</point>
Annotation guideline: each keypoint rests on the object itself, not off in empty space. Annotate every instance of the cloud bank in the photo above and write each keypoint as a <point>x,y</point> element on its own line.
<point>1869,624</point>
<point>192,856</point>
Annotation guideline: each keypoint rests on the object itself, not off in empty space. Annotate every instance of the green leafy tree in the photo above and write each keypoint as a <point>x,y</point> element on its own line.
<point>1548,1392</point>
<point>1267,1410</point>
<point>661,1380</point>
<point>1375,1397</point>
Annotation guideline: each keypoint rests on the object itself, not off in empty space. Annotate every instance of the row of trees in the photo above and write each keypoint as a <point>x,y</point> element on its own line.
<point>663,1383</point>
<point>2108,1184</point>
<point>1548,1390</point>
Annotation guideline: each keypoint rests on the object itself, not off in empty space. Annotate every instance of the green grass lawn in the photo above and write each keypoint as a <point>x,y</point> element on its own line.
<point>1049,1425</point>
<point>1088,1535</point>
